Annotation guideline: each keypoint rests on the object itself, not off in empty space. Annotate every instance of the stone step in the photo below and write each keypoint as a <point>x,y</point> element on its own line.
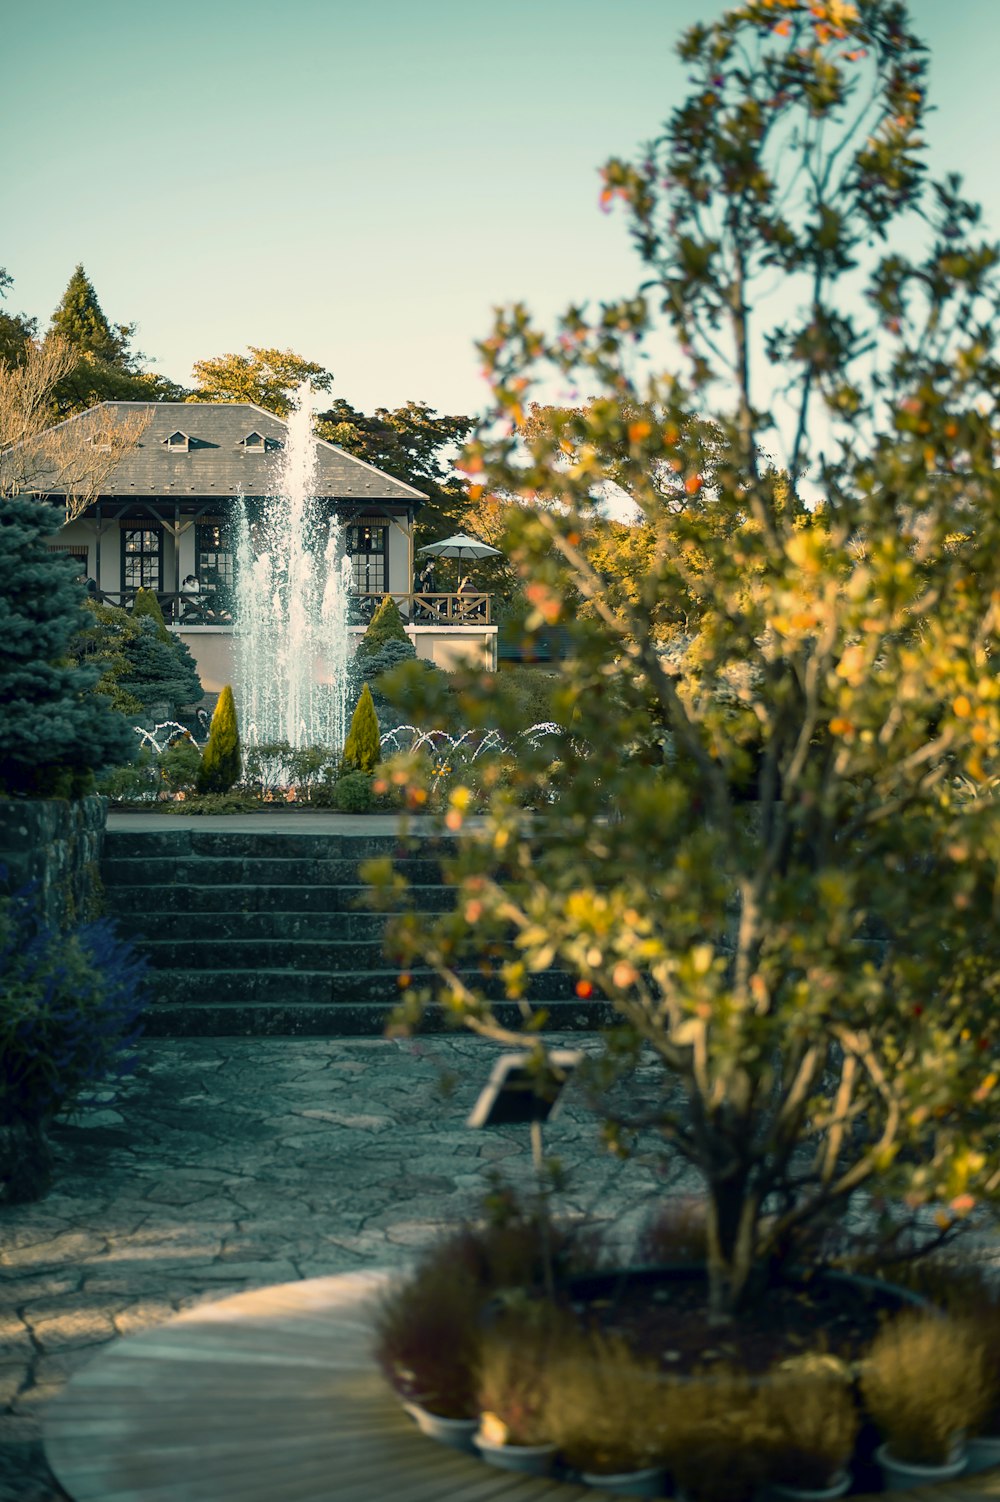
<point>228,927</point>
<point>325,988</point>
<point>247,898</point>
<point>156,844</point>
<point>266,870</point>
<point>350,1019</point>
<point>287,952</point>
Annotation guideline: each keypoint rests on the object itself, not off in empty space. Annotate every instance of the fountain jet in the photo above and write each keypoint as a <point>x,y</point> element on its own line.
<point>290,621</point>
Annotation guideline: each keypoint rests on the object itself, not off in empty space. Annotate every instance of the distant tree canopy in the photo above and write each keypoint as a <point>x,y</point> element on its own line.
<point>16,329</point>
<point>267,377</point>
<point>413,443</point>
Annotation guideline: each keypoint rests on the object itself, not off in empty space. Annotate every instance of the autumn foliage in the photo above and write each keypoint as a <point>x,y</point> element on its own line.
<point>771,838</point>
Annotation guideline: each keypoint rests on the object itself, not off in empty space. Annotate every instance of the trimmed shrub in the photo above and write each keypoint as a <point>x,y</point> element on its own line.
<point>147,607</point>
<point>386,625</point>
<point>180,764</point>
<point>362,746</point>
<point>220,762</point>
<point>353,794</point>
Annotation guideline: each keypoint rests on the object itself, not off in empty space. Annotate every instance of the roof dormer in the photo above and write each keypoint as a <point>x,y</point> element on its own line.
<point>254,443</point>
<point>177,443</point>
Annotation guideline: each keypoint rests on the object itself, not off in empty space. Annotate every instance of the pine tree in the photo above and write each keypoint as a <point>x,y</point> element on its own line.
<point>80,320</point>
<point>363,744</point>
<point>221,761</point>
<point>54,731</point>
<point>386,625</point>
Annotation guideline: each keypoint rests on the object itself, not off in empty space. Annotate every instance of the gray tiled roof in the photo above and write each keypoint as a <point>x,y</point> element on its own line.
<point>217,464</point>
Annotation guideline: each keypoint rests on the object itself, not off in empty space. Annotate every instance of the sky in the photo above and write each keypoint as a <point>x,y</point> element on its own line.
<point>364,183</point>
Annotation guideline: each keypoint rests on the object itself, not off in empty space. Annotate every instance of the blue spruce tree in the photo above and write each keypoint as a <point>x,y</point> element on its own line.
<point>54,732</point>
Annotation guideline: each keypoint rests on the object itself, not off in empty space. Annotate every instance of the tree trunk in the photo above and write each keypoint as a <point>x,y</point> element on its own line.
<point>732,1223</point>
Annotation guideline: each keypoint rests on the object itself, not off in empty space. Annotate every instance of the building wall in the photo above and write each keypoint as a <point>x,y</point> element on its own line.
<point>84,531</point>
<point>447,646</point>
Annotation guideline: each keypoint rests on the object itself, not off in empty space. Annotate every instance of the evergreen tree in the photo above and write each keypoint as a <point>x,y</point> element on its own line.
<point>108,368</point>
<point>147,606</point>
<point>386,625</point>
<point>221,760</point>
<point>80,320</point>
<point>158,672</point>
<point>16,329</point>
<point>363,743</point>
<point>54,732</point>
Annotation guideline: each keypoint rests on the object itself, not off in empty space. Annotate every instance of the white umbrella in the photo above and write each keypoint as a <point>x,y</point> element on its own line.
<point>460,546</point>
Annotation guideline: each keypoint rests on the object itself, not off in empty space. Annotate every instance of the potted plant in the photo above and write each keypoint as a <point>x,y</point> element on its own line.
<point>814,1424</point>
<point>605,1414</point>
<point>427,1344</point>
<point>924,1384</point>
<point>717,1434</point>
<point>515,1366</point>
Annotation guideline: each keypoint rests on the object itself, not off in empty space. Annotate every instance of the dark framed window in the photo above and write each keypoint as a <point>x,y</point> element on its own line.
<point>214,557</point>
<point>367,548</point>
<point>142,558</point>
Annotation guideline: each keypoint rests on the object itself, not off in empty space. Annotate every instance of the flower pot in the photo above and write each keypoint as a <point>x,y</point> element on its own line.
<point>651,1482</point>
<point>902,1475</point>
<point>534,1460</point>
<point>455,1433</point>
<point>782,1492</point>
<point>982,1453</point>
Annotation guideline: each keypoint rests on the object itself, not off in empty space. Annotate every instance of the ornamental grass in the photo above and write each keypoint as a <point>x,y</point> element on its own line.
<point>606,1407</point>
<point>925,1384</point>
<point>813,1424</point>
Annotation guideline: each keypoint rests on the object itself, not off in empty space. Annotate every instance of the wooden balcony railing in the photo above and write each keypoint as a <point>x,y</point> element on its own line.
<point>465,609</point>
<point>213,608</point>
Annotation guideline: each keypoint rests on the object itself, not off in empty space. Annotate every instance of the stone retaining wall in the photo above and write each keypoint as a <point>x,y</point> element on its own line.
<point>57,844</point>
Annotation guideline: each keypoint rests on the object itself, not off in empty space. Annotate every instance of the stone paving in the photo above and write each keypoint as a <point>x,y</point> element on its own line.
<point>225,1164</point>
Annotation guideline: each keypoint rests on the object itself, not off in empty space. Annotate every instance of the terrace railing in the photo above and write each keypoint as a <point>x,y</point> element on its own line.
<point>464,609</point>
<point>213,608</point>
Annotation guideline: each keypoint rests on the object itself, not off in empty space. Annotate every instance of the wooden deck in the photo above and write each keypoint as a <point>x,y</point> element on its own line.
<point>272,1396</point>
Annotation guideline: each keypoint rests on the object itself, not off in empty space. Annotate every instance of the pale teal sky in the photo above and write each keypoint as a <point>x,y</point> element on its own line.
<point>364,182</point>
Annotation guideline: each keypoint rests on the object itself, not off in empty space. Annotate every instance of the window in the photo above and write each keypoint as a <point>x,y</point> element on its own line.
<point>367,548</point>
<point>178,443</point>
<point>214,558</point>
<point>254,443</point>
<point>142,558</point>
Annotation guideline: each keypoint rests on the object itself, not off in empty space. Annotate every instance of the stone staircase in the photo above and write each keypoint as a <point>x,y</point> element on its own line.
<point>266,933</point>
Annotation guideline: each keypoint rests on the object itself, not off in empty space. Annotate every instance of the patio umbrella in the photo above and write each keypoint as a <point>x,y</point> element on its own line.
<point>460,546</point>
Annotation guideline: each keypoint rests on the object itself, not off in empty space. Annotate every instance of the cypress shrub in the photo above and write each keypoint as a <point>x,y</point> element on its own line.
<point>147,605</point>
<point>220,762</point>
<point>386,625</point>
<point>362,746</point>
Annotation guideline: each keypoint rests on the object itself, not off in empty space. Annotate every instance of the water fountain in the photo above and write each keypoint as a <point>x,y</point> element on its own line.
<point>290,620</point>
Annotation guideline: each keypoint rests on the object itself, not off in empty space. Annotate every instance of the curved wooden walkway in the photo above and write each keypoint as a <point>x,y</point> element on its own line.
<point>272,1396</point>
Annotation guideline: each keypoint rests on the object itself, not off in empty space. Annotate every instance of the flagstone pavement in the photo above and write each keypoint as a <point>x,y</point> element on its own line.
<point>225,1164</point>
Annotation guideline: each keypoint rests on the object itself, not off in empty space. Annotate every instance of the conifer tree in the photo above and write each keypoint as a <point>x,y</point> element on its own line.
<point>80,320</point>
<point>158,672</point>
<point>363,743</point>
<point>221,761</point>
<point>54,732</point>
<point>146,604</point>
<point>385,625</point>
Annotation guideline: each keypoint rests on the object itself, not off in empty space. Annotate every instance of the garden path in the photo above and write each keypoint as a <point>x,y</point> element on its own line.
<point>226,1164</point>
